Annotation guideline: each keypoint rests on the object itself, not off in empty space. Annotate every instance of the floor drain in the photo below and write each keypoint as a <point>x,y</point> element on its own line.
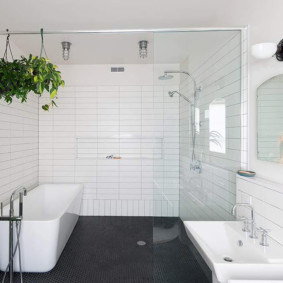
<point>141,243</point>
<point>228,259</point>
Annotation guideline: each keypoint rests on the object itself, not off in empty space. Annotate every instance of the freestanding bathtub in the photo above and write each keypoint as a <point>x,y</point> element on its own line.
<point>50,215</point>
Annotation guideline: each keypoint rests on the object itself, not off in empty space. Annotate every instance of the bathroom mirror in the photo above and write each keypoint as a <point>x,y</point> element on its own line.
<point>270,120</point>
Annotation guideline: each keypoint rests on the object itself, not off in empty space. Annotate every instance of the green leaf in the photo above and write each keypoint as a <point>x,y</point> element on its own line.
<point>53,93</point>
<point>45,107</point>
<point>38,87</point>
<point>53,103</point>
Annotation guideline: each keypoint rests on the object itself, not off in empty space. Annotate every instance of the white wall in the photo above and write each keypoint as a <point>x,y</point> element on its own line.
<point>18,145</point>
<point>18,141</point>
<point>267,200</point>
<point>263,17</point>
<point>102,113</point>
<point>264,24</point>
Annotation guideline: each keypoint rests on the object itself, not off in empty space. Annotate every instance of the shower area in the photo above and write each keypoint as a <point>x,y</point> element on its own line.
<point>153,124</point>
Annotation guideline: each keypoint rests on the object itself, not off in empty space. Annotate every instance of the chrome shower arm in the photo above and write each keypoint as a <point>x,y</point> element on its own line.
<point>182,72</point>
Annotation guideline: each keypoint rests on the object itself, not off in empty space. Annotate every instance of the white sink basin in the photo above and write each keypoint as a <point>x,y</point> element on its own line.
<point>251,261</point>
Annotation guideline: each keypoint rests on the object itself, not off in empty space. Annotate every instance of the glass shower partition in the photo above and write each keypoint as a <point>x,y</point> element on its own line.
<point>198,87</point>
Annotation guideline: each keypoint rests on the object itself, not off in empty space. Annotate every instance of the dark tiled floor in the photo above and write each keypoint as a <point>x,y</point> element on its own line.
<point>104,250</point>
<point>177,261</point>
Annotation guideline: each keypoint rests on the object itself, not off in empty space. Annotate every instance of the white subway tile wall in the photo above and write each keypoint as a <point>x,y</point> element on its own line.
<point>267,200</point>
<point>211,194</point>
<point>18,145</point>
<point>139,124</point>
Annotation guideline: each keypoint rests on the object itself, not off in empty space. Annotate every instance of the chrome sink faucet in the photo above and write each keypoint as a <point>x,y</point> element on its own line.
<point>253,229</point>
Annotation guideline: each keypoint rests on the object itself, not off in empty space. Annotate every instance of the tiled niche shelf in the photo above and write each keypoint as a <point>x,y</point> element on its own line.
<point>124,147</point>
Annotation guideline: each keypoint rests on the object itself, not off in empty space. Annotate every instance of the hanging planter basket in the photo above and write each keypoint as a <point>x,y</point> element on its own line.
<point>33,74</point>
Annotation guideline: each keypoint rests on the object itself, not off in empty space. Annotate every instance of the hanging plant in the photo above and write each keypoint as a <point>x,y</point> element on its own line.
<point>14,80</point>
<point>43,76</point>
<point>36,74</point>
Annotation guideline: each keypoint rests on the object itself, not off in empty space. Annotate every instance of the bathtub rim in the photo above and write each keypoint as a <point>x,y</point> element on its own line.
<point>80,191</point>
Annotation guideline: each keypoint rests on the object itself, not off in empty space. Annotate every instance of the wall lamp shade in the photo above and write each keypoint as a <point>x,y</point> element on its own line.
<point>264,50</point>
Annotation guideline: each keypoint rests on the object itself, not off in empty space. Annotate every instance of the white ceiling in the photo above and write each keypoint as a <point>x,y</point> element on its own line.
<point>110,14</point>
<point>175,47</point>
<point>123,48</point>
<point>264,17</point>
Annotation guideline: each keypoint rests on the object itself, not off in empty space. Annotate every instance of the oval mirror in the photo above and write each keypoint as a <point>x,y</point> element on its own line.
<point>270,120</point>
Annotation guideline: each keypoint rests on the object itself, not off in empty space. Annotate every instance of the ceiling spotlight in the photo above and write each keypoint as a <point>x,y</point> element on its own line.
<point>143,48</point>
<point>66,50</point>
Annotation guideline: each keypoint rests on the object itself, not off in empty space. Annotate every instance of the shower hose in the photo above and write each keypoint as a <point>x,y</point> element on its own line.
<point>17,247</point>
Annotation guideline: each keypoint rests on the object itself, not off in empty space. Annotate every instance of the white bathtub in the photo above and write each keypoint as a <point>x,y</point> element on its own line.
<point>50,215</point>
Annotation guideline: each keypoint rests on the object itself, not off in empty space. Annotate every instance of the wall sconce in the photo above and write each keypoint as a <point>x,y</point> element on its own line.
<point>279,52</point>
<point>267,50</point>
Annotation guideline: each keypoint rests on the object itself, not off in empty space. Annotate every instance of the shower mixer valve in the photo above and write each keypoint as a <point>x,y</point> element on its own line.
<point>196,166</point>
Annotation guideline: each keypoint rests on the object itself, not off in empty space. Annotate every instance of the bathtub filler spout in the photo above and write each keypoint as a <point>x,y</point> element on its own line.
<point>22,192</point>
<point>12,218</point>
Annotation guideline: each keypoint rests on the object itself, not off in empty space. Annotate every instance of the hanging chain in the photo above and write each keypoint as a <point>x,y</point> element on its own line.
<point>42,49</point>
<point>8,47</point>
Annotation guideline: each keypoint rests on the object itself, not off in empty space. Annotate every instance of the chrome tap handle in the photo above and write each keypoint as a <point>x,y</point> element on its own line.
<point>246,222</point>
<point>264,231</point>
<point>253,234</point>
<point>264,236</point>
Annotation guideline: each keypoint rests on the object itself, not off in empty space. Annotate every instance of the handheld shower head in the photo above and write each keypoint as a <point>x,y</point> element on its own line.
<point>171,94</point>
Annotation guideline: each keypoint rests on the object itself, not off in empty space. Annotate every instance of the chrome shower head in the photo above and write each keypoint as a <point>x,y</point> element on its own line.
<point>165,77</point>
<point>171,93</point>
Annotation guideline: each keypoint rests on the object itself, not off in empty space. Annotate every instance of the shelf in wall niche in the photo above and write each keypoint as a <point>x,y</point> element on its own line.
<point>124,158</point>
<point>144,148</point>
